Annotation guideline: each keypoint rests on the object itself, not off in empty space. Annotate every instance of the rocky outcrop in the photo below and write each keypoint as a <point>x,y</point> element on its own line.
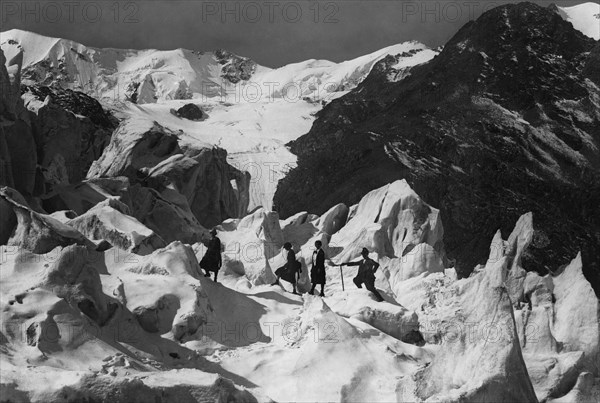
<point>234,68</point>
<point>190,112</point>
<point>8,220</point>
<point>18,152</point>
<point>155,159</point>
<point>71,131</point>
<point>503,117</point>
<point>50,135</point>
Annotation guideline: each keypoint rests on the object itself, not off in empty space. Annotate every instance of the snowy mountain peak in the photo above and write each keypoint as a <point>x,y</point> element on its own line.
<point>151,75</point>
<point>585,17</point>
<point>141,76</point>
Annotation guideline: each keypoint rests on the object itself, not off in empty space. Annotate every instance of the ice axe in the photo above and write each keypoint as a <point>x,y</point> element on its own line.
<point>342,277</point>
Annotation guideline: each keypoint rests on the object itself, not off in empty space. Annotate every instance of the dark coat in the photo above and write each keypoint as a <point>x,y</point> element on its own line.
<point>317,273</point>
<point>290,269</point>
<point>366,269</point>
<point>211,260</point>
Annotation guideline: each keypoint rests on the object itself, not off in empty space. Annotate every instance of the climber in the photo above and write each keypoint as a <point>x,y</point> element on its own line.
<point>317,273</point>
<point>212,258</point>
<point>291,268</point>
<point>366,273</point>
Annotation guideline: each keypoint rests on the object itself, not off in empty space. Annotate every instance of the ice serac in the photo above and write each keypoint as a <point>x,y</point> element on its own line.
<point>557,316</point>
<point>154,157</point>
<point>169,216</point>
<point>71,305</point>
<point>59,292</point>
<point>390,318</point>
<point>423,258</point>
<point>252,246</point>
<point>333,220</point>
<point>36,232</point>
<point>587,389</point>
<point>577,315</point>
<point>110,220</point>
<point>163,290</point>
<point>391,221</point>
<point>479,364</point>
<point>514,249</point>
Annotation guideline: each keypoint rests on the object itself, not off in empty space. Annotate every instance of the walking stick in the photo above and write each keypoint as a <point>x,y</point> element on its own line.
<point>342,276</point>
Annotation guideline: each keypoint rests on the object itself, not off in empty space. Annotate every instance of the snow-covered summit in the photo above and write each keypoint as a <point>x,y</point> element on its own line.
<point>151,75</point>
<point>585,17</point>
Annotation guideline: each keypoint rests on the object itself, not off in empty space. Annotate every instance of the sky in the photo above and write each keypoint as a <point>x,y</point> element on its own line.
<point>271,32</point>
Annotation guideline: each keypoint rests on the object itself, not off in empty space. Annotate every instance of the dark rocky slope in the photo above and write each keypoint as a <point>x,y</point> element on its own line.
<point>504,121</point>
<point>49,136</point>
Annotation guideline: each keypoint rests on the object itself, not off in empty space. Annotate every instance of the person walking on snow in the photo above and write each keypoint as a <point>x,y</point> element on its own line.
<point>317,273</point>
<point>211,261</point>
<point>366,273</point>
<point>291,268</point>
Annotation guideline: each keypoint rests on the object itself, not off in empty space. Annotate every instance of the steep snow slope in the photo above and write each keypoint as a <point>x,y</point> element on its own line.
<point>325,80</point>
<point>585,17</point>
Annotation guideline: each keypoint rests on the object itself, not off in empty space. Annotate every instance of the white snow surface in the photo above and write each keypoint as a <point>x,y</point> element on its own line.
<point>585,17</point>
<point>107,73</point>
<point>97,323</point>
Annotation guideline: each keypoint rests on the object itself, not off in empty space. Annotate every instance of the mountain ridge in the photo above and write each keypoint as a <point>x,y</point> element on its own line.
<point>151,75</point>
<point>482,140</point>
